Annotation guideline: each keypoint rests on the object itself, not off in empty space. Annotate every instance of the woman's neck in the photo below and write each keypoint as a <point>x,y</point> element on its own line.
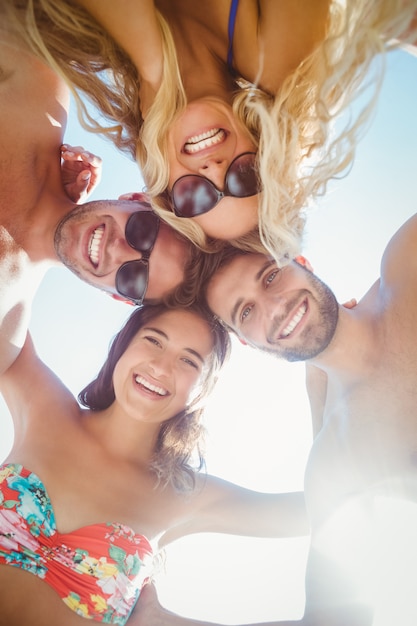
<point>122,436</point>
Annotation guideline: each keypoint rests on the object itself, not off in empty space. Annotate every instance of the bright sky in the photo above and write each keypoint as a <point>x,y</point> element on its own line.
<point>258,417</point>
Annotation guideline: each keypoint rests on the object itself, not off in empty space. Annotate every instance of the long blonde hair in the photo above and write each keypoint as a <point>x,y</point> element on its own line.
<point>299,148</point>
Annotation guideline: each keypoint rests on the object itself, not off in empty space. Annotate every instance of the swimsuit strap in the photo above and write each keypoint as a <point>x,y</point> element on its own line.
<point>231,31</point>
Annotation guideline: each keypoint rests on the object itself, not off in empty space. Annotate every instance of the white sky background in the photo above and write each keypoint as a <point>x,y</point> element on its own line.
<point>258,417</point>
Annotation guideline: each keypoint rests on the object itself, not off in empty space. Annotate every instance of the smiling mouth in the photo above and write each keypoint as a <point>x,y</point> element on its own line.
<point>94,245</point>
<point>293,323</point>
<point>142,382</point>
<point>206,140</point>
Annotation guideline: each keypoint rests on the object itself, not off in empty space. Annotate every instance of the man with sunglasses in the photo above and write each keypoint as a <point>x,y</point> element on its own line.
<point>119,246</point>
<point>362,382</point>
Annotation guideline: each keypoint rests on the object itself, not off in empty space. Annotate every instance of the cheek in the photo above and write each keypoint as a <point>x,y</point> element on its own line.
<point>176,167</point>
<point>118,377</point>
<point>190,387</point>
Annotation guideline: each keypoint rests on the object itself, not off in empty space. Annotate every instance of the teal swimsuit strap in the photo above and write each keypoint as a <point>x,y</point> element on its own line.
<point>231,32</point>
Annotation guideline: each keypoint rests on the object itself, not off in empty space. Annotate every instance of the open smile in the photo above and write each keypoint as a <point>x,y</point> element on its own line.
<point>294,321</point>
<point>94,245</point>
<point>152,389</point>
<point>208,139</point>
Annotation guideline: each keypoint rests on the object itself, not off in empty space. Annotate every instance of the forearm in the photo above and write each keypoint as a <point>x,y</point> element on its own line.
<point>134,26</point>
<point>148,612</point>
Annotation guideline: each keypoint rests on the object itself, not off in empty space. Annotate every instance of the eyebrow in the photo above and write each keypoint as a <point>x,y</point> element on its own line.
<point>165,336</point>
<point>257,277</point>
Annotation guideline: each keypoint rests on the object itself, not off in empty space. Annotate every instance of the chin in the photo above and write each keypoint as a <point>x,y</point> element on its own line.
<point>228,223</point>
<point>229,235</point>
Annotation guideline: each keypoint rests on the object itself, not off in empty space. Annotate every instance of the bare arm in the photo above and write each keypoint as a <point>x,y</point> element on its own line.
<point>31,389</point>
<point>133,25</point>
<point>408,40</point>
<point>223,507</point>
<point>286,33</point>
<point>316,384</point>
<point>148,612</point>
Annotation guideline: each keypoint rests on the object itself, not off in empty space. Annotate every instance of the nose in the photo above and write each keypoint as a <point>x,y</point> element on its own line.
<point>271,306</point>
<point>215,170</point>
<point>161,364</point>
<point>120,251</point>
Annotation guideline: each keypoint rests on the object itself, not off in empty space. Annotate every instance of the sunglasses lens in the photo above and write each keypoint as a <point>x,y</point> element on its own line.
<point>193,195</point>
<point>141,230</point>
<point>242,178</point>
<point>132,280</point>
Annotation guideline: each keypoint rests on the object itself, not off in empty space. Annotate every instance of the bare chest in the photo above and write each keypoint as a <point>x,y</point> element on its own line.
<point>368,444</point>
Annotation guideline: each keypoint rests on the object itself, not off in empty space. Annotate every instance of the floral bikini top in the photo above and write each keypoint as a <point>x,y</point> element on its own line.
<point>97,570</point>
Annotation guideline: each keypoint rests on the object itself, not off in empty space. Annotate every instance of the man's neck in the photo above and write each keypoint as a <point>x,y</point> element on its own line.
<point>356,344</point>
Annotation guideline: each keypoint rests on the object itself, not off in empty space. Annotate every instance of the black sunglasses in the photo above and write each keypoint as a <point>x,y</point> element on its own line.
<point>193,195</point>
<point>132,277</point>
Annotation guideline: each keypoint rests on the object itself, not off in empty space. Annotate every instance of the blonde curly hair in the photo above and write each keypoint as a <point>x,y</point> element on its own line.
<point>299,149</point>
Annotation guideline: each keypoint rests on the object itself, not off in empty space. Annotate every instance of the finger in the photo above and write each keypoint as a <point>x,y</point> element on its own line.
<point>83,181</point>
<point>350,304</point>
<point>92,159</point>
<point>68,146</point>
<point>135,195</point>
<point>79,153</point>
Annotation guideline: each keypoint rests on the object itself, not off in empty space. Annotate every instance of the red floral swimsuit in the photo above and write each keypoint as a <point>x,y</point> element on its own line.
<point>97,570</point>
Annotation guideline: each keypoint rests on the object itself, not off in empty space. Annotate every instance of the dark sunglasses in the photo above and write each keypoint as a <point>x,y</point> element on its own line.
<point>132,277</point>
<point>193,195</point>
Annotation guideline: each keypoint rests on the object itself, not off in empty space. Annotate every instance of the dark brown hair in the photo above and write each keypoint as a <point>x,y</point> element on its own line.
<point>179,437</point>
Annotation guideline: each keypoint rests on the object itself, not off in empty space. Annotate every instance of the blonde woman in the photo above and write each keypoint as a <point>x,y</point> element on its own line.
<point>239,94</point>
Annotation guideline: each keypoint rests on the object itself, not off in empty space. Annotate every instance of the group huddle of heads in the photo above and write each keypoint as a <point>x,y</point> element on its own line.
<point>285,150</point>
<point>270,154</point>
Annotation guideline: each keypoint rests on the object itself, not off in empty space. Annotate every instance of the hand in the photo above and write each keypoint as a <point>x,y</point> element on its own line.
<point>148,611</point>
<point>80,172</point>
<point>135,196</point>
<point>350,304</point>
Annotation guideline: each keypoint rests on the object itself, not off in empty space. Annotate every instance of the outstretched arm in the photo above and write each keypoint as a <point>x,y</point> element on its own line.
<point>134,26</point>
<point>32,391</point>
<point>408,40</point>
<point>316,385</point>
<point>219,506</point>
<point>149,612</point>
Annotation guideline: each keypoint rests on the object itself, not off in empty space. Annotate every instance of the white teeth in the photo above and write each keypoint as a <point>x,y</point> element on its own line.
<point>205,140</point>
<point>295,321</point>
<point>145,383</point>
<point>94,245</point>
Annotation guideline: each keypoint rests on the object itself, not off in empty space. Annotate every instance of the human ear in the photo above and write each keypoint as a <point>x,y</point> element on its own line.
<point>116,296</point>
<point>301,260</point>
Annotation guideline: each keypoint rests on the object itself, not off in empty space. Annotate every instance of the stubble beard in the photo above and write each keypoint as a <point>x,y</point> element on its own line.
<point>63,238</point>
<point>315,338</point>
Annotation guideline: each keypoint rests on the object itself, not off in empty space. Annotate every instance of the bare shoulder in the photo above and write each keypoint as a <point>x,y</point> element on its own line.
<point>31,389</point>
<point>399,261</point>
<point>272,38</point>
